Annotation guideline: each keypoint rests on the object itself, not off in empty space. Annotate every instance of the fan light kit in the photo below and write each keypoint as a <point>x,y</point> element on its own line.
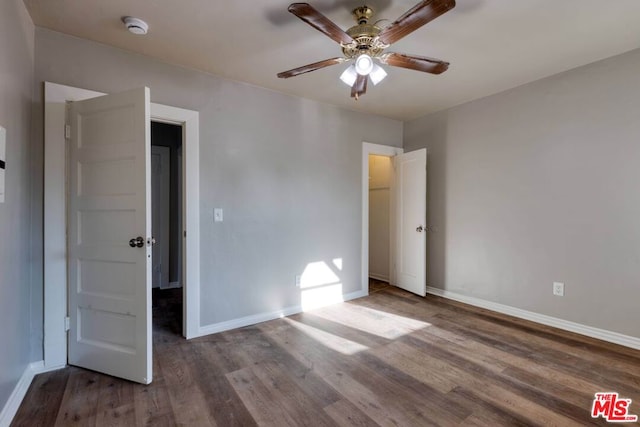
<point>365,43</point>
<point>350,75</point>
<point>135,25</point>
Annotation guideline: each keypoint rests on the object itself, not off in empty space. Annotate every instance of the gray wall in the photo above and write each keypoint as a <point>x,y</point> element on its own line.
<point>16,97</point>
<point>541,184</point>
<point>285,170</point>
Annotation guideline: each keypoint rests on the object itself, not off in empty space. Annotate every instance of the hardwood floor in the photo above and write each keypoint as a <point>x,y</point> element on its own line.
<point>376,285</point>
<point>390,359</point>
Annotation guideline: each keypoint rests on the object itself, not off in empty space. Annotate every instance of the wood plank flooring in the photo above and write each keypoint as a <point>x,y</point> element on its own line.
<point>390,359</point>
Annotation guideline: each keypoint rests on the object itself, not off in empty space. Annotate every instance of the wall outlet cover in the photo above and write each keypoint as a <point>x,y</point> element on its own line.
<point>558,289</point>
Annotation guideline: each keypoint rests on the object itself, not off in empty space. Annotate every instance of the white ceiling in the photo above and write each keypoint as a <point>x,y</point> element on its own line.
<point>492,45</point>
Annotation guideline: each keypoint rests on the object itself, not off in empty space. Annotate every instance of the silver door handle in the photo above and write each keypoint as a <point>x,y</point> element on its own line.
<point>419,229</point>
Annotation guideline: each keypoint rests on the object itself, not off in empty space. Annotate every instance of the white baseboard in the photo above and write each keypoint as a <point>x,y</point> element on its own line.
<point>170,285</point>
<point>20,390</point>
<point>263,317</point>
<point>379,277</point>
<point>601,334</point>
<point>355,295</point>
<point>246,321</point>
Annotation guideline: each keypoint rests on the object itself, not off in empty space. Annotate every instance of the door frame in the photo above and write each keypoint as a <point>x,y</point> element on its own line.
<point>381,150</point>
<point>54,212</point>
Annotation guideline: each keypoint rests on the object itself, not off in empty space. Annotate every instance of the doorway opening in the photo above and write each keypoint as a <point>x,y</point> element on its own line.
<point>407,217</point>
<point>166,213</point>
<point>369,149</point>
<point>380,170</point>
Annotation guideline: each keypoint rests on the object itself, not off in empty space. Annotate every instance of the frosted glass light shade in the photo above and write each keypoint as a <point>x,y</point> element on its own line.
<point>364,65</point>
<point>349,75</point>
<point>377,74</point>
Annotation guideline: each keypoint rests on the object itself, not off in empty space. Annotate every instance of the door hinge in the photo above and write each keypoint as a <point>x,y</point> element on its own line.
<point>67,131</point>
<point>67,323</point>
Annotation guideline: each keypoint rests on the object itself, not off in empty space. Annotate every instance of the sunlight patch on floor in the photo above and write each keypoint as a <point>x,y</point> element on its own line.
<point>380,323</point>
<point>327,339</point>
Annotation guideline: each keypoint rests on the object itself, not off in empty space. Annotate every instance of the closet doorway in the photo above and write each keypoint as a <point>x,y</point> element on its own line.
<point>379,219</point>
<point>166,214</point>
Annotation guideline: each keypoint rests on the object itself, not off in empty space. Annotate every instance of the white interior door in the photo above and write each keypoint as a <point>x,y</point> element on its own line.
<point>160,208</point>
<point>109,205</point>
<point>408,219</point>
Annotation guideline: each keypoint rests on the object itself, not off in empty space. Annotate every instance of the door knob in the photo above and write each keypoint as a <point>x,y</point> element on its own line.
<point>419,229</point>
<point>138,242</point>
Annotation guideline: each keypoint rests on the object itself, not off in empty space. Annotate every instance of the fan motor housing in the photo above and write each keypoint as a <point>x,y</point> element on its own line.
<point>363,30</point>
<point>364,34</point>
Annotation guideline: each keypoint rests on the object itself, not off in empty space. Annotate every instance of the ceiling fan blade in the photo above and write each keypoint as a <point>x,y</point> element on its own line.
<point>311,67</point>
<point>414,62</point>
<point>320,22</point>
<point>359,87</point>
<point>414,18</point>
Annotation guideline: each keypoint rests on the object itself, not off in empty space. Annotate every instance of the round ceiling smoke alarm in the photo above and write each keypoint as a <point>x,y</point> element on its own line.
<point>135,25</point>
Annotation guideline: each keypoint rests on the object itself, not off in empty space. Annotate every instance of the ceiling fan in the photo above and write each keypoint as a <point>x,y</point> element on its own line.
<point>365,42</point>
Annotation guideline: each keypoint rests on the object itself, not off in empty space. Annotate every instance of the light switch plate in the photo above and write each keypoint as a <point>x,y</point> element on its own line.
<point>3,159</point>
<point>217,215</point>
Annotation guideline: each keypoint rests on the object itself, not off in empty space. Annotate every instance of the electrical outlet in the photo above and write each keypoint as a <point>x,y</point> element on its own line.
<point>558,289</point>
<point>298,279</point>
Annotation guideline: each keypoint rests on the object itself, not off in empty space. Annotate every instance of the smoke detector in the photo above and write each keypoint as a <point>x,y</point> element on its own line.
<point>135,25</point>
